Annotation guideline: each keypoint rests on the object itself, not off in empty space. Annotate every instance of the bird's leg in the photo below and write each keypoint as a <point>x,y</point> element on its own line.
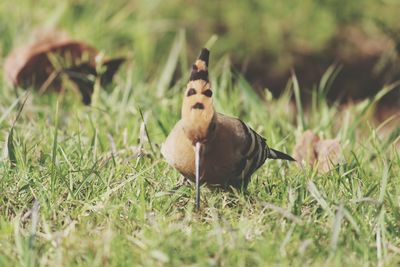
<point>197,163</point>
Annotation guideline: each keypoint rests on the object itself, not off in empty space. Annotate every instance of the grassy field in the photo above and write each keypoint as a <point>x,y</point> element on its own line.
<point>87,186</point>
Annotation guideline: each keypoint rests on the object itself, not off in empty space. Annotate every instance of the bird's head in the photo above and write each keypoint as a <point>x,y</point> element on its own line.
<point>197,107</point>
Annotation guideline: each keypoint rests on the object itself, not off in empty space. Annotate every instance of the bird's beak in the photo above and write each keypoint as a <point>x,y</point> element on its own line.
<point>197,163</point>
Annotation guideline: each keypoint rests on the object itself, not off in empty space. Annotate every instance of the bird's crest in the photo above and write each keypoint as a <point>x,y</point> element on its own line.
<point>200,67</point>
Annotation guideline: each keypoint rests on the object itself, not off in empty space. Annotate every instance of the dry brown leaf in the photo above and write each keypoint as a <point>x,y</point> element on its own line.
<point>328,153</point>
<point>304,150</point>
<point>31,65</point>
<point>322,154</point>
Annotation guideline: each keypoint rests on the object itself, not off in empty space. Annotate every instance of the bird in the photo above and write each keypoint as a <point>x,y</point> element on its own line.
<point>208,147</point>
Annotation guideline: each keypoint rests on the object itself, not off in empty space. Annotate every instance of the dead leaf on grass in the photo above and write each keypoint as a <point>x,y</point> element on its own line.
<point>328,152</point>
<point>322,154</point>
<point>304,150</point>
<point>42,64</point>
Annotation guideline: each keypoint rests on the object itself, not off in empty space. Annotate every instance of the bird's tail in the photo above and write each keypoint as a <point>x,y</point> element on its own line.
<point>275,154</point>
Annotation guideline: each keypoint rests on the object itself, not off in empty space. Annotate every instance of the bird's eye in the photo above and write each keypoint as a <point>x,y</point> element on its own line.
<point>208,93</point>
<point>191,91</point>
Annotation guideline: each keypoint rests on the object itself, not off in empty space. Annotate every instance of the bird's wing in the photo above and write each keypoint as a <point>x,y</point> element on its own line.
<point>254,152</point>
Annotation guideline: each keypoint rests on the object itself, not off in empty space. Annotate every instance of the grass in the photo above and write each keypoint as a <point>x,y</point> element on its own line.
<point>87,186</point>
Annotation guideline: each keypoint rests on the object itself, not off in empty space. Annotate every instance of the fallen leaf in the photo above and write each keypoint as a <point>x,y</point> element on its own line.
<point>31,65</point>
<point>304,150</point>
<point>328,153</point>
<point>42,63</point>
<point>312,151</point>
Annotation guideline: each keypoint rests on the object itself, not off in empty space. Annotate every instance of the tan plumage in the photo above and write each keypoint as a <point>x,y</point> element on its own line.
<point>230,150</point>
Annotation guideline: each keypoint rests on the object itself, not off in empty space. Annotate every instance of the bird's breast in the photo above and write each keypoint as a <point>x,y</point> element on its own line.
<point>222,157</point>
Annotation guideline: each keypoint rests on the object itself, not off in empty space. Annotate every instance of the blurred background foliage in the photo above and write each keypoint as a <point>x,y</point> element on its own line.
<point>264,39</point>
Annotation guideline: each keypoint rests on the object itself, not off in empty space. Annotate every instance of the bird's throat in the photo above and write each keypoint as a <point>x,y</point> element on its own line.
<point>196,125</point>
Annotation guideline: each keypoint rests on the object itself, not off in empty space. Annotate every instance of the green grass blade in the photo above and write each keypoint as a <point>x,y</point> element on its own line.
<point>170,66</point>
<point>300,112</point>
<point>54,150</point>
